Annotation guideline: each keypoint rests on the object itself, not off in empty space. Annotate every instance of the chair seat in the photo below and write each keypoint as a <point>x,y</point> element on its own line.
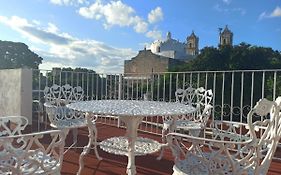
<point>36,163</point>
<point>184,124</point>
<point>193,165</point>
<point>69,123</point>
<point>190,166</point>
<point>193,127</point>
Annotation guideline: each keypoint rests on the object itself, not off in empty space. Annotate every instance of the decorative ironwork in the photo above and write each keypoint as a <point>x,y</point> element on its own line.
<point>27,153</point>
<point>228,150</point>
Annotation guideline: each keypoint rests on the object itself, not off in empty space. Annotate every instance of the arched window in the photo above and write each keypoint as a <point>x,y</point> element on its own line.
<point>190,45</point>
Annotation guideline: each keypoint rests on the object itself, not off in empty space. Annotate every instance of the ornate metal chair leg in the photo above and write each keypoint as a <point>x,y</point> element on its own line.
<point>75,135</point>
<point>81,158</point>
<point>163,141</point>
<point>95,143</point>
<point>92,140</point>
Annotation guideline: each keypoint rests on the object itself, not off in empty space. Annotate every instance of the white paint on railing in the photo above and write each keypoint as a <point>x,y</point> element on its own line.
<point>161,86</point>
<point>252,89</point>
<point>231,96</point>
<point>274,85</point>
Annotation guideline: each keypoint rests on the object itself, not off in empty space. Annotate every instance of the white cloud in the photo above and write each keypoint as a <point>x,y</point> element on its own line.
<point>46,65</point>
<point>62,49</point>
<point>227,1</point>
<point>155,34</point>
<point>52,28</point>
<point>263,15</point>
<point>222,9</point>
<point>140,26</point>
<point>116,13</point>
<point>14,21</point>
<point>68,2</point>
<point>155,15</point>
<point>275,13</point>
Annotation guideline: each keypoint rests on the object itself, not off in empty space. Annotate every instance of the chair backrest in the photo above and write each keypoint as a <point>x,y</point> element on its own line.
<point>62,95</point>
<point>203,103</point>
<point>203,97</point>
<point>12,125</point>
<point>264,132</point>
<point>56,98</point>
<point>265,118</point>
<point>185,96</point>
<point>34,153</point>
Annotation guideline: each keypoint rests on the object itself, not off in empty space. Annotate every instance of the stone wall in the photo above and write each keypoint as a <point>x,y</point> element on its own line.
<point>147,62</point>
<point>16,92</point>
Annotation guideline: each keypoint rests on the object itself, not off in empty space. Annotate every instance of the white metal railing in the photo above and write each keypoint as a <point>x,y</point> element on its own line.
<point>235,91</point>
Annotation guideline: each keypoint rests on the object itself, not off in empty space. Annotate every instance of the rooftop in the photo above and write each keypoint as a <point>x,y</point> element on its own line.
<point>115,164</point>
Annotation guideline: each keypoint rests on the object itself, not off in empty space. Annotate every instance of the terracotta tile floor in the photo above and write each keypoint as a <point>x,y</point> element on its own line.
<point>116,165</point>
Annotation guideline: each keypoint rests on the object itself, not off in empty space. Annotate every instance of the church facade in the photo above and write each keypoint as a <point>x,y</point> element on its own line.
<point>175,49</point>
<point>170,52</point>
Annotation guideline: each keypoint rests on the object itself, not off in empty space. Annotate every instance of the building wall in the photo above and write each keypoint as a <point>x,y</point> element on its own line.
<point>169,48</point>
<point>146,62</point>
<point>16,92</point>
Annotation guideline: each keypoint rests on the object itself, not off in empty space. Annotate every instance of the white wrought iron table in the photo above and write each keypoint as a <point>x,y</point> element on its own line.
<point>131,112</point>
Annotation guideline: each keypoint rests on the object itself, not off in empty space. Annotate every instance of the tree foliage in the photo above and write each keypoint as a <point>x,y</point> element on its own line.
<point>240,57</point>
<point>17,55</point>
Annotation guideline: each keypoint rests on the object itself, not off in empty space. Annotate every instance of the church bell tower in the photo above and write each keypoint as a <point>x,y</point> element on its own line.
<point>226,37</point>
<point>192,44</point>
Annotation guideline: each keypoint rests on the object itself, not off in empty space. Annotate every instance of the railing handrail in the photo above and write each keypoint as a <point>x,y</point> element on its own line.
<point>170,72</point>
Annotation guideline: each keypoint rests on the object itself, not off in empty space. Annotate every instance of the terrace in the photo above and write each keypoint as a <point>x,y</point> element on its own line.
<point>235,93</point>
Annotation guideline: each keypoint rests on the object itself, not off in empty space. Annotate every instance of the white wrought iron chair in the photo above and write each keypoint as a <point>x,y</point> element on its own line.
<point>194,123</point>
<point>37,153</point>
<point>232,148</point>
<point>60,117</point>
<point>57,97</point>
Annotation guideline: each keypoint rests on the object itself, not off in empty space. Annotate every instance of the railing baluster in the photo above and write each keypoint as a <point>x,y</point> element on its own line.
<point>252,90</point>
<point>158,86</point>
<point>97,86</point>
<point>87,86</point>
<point>222,96</point>
<point>170,90</point>
<point>231,96</point>
<point>214,95</point>
<point>241,99</point>
<point>183,81</point>
<point>206,80</point>
<point>274,85</point>
<point>198,80</point>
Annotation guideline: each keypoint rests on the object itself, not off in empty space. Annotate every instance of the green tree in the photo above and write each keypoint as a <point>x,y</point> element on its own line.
<point>17,55</point>
<point>240,57</point>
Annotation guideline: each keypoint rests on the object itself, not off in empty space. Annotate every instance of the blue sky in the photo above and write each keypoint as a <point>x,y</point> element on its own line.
<point>101,34</point>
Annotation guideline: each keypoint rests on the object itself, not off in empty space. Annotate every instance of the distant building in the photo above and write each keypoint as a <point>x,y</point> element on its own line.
<point>172,48</point>
<point>170,52</point>
<point>192,44</point>
<point>226,37</point>
<point>147,62</point>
